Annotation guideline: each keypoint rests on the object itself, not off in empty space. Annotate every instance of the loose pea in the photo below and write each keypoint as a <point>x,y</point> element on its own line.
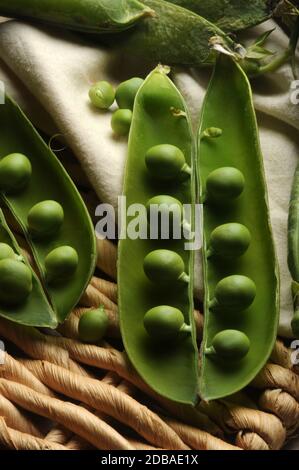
<point>225,184</point>
<point>164,322</point>
<point>127,91</point>
<point>229,240</point>
<point>165,266</point>
<point>15,282</point>
<point>234,292</point>
<point>231,344</point>
<point>93,325</point>
<point>61,264</point>
<point>166,162</point>
<point>45,218</point>
<point>15,172</point>
<point>6,251</point>
<point>102,95</point>
<point>121,121</point>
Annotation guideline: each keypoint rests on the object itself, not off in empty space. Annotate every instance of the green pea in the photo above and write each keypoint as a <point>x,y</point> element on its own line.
<point>164,322</point>
<point>93,325</point>
<point>229,240</point>
<point>127,91</point>
<point>225,184</point>
<point>164,266</point>
<point>6,251</point>
<point>230,344</point>
<point>15,172</point>
<point>15,282</point>
<point>166,162</point>
<point>102,95</point>
<point>234,292</point>
<point>121,121</point>
<point>168,205</point>
<point>159,99</point>
<point>45,219</point>
<point>61,264</point>
<point>295,324</point>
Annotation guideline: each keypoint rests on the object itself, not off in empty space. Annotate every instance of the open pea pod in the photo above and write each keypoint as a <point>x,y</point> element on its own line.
<point>155,276</point>
<point>36,310</point>
<point>240,269</point>
<point>47,180</point>
<point>81,15</point>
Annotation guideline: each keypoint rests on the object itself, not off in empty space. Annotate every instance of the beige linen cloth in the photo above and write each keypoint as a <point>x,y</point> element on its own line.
<point>49,73</point>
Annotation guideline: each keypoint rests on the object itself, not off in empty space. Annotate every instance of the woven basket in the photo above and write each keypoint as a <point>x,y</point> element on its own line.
<point>58,394</point>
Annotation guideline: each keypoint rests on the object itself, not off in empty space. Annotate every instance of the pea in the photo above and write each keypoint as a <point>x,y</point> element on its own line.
<point>102,95</point>
<point>166,162</point>
<point>15,172</point>
<point>127,91</point>
<point>168,206</point>
<point>225,184</point>
<point>61,264</point>
<point>229,240</point>
<point>6,251</point>
<point>15,282</point>
<point>158,99</point>
<point>231,344</point>
<point>164,266</point>
<point>164,322</point>
<point>121,121</point>
<point>45,219</point>
<point>234,292</point>
<point>93,325</point>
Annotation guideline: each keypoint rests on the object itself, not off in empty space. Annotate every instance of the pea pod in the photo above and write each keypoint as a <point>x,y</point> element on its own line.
<point>155,276</point>
<point>48,208</point>
<point>241,285</point>
<point>293,245</point>
<point>231,15</point>
<point>82,15</point>
<point>36,310</point>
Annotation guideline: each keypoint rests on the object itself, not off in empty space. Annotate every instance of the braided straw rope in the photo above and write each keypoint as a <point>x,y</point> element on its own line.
<point>55,367</point>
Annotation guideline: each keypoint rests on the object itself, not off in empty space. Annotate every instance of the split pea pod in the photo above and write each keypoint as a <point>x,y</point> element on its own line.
<point>49,209</point>
<point>293,246</point>
<point>240,269</point>
<point>92,16</point>
<point>156,275</point>
<point>22,299</point>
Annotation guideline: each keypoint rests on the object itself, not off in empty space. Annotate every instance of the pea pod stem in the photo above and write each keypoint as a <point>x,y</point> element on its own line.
<point>184,278</point>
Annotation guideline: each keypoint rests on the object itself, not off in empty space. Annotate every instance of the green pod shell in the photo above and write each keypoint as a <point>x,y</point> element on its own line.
<point>170,370</point>
<point>92,16</point>
<point>126,92</point>
<point>228,105</point>
<point>23,299</point>
<point>15,172</point>
<point>49,182</point>
<point>229,240</point>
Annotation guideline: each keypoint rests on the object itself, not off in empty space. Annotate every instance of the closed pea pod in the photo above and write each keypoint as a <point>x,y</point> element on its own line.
<point>50,211</point>
<point>155,275</point>
<point>240,270</point>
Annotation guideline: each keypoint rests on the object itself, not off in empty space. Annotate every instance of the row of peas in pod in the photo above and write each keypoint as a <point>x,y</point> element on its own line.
<point>48,208</point>
<point>103,95</point>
